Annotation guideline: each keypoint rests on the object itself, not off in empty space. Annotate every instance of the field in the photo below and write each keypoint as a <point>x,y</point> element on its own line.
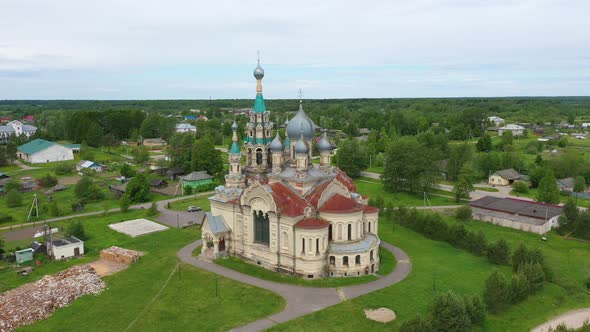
<point>437,267</point>
<point>132,300</point>
<point>387,265</point>
<point>201,201</point>
<point>373,189</point>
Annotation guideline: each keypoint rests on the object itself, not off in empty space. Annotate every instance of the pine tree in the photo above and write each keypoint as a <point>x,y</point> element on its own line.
<point>497,292</point>
<point>499,253</point>
<point>449,313</point>
<point>548,191</point>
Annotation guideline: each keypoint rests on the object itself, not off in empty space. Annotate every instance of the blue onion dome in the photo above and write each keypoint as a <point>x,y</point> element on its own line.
<point>301,147</point>
<point>300,124</point>
<point>276,145</point>
<point>324,144</point>
<point>258,72</point>
<point>234,126</point>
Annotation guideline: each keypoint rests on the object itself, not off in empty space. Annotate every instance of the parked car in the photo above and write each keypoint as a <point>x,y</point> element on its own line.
<point>193,209</point>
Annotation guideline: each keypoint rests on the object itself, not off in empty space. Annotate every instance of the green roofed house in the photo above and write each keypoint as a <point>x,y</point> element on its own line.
<point>41,151</point>
<point>196,180</point>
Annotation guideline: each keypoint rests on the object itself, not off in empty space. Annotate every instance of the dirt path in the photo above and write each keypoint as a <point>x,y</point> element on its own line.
<point>573,319</point>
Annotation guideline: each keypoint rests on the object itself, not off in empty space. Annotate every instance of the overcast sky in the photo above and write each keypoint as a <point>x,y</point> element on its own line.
<point>141,49</point>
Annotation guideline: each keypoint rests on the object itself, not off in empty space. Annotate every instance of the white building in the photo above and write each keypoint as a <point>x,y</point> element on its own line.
<point>66,247</point>
<point>16,128</point>
<point>185,128</point>
<point>281,212</point>
<point>496,120</point>
<point>41,151</point>
<point>89,165</point>
<point>514,128</point>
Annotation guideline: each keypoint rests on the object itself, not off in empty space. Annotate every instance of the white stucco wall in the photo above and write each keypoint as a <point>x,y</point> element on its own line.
<point>67,251</point>
<point>53,153</point>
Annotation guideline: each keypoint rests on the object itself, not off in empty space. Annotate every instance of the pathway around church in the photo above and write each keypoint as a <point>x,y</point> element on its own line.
<point>301,300</point>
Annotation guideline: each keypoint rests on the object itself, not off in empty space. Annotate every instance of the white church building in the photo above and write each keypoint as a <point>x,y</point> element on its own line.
<point>283,213</point>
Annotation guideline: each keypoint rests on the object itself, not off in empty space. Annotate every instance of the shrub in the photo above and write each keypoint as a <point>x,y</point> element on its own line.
<point>5,218</point>
<point>476,309</point>
<point>418,324</point>
<point>14,199</point>
<point>138,189</point>
<point>152,211</point>
<point>588,283</point>
<point>463,213</point>
<point>54,209</point>
<point>497,292</point>
<point>534,273</point>
<point>13,184</point>
<point>188,190</point>
<point>520,187</point>
<point>449,313</point>
<point>86,190</point>
<point>124,204</point>
<point>77,206</point>
<point>126,171</point>
<point>519,287</point>
<point>76,229</point>
<point>63,169</point>
<point>48,181</point>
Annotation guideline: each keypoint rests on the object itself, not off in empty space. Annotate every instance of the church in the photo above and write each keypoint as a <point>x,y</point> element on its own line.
<point>281,212</point>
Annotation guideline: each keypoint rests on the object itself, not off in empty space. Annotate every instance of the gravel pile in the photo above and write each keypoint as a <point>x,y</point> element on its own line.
<point>120,255</point>
<point>38,300</point>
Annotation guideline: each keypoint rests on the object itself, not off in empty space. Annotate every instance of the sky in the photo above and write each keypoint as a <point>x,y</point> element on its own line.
<point>142,49</point>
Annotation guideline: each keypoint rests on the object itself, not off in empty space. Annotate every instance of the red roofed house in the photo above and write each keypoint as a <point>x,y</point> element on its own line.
<point>281,212</point>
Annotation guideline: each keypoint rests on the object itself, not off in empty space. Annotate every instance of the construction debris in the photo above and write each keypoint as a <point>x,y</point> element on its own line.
<point>120,255</point>
<point>38,300</point>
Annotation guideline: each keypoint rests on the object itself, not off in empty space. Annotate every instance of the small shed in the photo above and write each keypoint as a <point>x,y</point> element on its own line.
<point>174,173</point>
<point>38,247</point>
<point>118,190</point>
<point>159,183</point>
<point>566,184</point>
<point>67,247</point>
<point>504,177</point>
<point>24,255</point>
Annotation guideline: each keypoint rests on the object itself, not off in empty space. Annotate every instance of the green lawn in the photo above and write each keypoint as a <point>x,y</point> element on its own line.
<point>437,267</point>
<point>200,201</point>
<point>187,302</point>
<point>387,265</point>
<point>375,169</point>
<point>374,189</point>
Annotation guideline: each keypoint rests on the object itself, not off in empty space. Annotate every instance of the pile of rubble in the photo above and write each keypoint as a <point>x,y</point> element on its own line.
<point>38,300</point>
<point>120,255</point>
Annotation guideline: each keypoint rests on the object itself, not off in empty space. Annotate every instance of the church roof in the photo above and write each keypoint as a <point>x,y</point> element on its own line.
<point>259,104</point>
<point>314,195</point>
<point>341,204</point>
<point>235,148</point>
<point>346,180</point>
<point>312,223</point>
<point>290,203</point>
<point>217,224</point>
<point>370,209</point>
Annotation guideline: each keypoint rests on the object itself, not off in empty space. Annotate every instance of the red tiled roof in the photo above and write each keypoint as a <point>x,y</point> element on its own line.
<point>313,197</point>
<point>312,223</point>
<point>288,202</point>
<point>346,180</point>
<point>370,209</point>
<point>341,204</point>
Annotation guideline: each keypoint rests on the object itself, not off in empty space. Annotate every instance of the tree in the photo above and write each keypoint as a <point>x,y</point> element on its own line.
<point>520,187</point>
<point>409,166</point>
<point>87,190</point>
<point>579,184</point>
<point>449,313</point>
<point>459,155</point>
<point>126,171</point>
<point>138,189</point>
<point>48,181</point>
<point>152,211</point>
<point>484,144</point>
<point>476,309</point>
<point>140,154</point>
<point>507,138</point>
<point>520,256</point>
<point>464,184</point>
<point>496,293</point>
<point>569,216</point>
<point>519,287</point>
<point>124,204</point>
<point>76,229</point>
<point>534,274</point>
<point>499,253</point>
<point>463,213</point>
<point>205,157</point>
<point>14,198</point>
<point>548,191</point>
<point>352,158</point>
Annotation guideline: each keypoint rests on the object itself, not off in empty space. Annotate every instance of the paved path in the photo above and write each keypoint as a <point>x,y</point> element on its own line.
<point>301,300</point>
<point>573,319</point>
<point>166,216</point>
<point>23,166</point>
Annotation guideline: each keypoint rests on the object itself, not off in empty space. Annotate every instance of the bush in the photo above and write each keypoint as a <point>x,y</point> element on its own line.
<point>77,206</point>
<point>152,211</point>
<point>54,209</point>
<point>418,324</point>
<point>5,218</point>
<point>138,189</point>
<point>520,187</point>
<point>588,283</point>
<point>476,309</point>
<point>497,292</point>
<point>499,253</point>
<point>76,229</point>
<point>463,213</point>
<point>534,274</point>
<point>13,184</point>
<point>519,287</point>
<point>126,171</point>
<point>124,204</point>
<point>188,190</point>
<point>63,169</point>
<point>14,199</point>
<point>449,313</point>
<point>87,190</point>
<point>48,181</point>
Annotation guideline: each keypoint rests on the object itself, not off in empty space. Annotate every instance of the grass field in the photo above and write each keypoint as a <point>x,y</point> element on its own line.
<point>201,201</point>
<point>387,265</point>
<point>187,302</point>
<point>437,267</point>
<point>374,189</point>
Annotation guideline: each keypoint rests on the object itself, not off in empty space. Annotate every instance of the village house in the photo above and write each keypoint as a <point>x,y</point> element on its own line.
<point>41,151</point>
<point>496,120</point>
<point>14,129</point>
<point>523,215</point>
<point>195,180</point>
<point>504,177</point>
<point>185,128</point>
<point>174,173</point>
<point>566,185</point>
<point>517,130</point>
<point>89,166</point>
<point>65,248</point>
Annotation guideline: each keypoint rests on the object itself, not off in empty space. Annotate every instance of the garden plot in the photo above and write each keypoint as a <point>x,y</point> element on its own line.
<point>137,227</point>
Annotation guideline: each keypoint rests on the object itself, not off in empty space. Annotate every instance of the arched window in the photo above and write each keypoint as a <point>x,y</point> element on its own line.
<point>357,260</point>
<point>261,233</point>
<point>330,232</point>
<point>317,246</point>
<point>309,243</point>
<point>349,232</point>
<point>258,156</point>
<point>371,255</point>
<point>369,223</point>
<point>345,260</point>
<point>303,246</point>
<point>332,260</point>
<point>339,231</point>
<point>269,158</point>
<point>285,240</point>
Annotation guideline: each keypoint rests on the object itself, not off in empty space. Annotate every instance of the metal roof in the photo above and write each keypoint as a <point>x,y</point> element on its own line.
<point>195,176</point>
<point>217,224</point>
<point>354,247</point>
<point>518,207</point>
<point>35,146</point>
